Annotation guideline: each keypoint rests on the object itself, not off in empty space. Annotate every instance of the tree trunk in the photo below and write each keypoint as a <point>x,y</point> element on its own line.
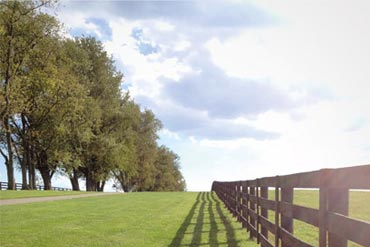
<point>8,72</point>
<point>10,173</point>
<point>31,168</point>
<point>9,163</point>
<point>21,161</point>
<point>126,187</point>
<point>46,172</point>
<point>124,181</point>
<point>31,176</point>
<point>74,181</point>
<point>46,178</point>
<point>24,175</point>
<point>100,186</point>
<point>26,154</point>
<point>90,182</point>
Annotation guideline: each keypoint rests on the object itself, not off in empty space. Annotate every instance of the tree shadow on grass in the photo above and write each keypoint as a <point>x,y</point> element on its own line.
<point>206,225</point>
<point>176,242</point>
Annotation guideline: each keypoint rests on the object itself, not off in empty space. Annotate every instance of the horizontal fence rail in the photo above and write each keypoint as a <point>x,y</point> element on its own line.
<point>18,186</point>
<point>248,201</point>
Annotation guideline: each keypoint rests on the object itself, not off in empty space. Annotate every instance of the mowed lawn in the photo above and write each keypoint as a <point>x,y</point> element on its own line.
<point>146,219</point>
<point>15,194</point>
<point>136,219</point>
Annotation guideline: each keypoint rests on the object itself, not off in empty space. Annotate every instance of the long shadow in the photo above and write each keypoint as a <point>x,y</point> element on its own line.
<point>230,234</point>
<point>197,233</point>
<point>176,241</point>
<point>196,217</point>
<point>212,219</point>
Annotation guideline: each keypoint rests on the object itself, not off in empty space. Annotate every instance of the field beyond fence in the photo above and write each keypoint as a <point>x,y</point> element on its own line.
<point>249,202</point>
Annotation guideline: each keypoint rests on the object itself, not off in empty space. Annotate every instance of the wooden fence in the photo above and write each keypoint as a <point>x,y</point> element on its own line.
<point>18,186</point>
<point>248,202</point>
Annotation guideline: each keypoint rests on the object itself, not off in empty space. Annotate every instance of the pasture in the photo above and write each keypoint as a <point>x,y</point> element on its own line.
<point>143,219</point>
<point>136,219</point>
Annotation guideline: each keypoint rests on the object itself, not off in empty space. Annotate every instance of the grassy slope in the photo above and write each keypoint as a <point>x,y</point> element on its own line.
<point>138,219</point>
<point>14,194</point>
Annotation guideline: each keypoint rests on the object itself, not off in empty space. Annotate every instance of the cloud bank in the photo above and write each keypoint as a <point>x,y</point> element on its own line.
<point>260,86</point>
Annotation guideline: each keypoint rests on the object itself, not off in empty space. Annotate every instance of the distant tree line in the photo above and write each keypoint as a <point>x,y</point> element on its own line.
<point>63,111</point>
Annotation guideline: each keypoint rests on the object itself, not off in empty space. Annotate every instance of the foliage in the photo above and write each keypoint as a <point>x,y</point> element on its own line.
<point>168,177</point>
<point>27,41</point>
<point>63,110</point>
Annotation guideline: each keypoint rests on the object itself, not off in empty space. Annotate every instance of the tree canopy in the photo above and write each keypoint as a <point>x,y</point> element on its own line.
<point>63,111</point>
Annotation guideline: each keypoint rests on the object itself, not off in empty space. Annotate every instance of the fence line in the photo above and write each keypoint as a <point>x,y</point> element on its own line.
<point>18,186</point>
<point>248,202</point>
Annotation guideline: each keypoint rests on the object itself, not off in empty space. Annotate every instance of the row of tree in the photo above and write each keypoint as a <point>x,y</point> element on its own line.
<point>63,111</point>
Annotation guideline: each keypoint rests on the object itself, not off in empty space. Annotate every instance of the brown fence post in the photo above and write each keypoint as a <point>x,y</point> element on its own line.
<point>337,202</point>
<point>252,192</point>
<point>324,176</point>
<point>258,210</point>
<point>247,203</point>
<point>250,206</point>
<point>286,221</point>
<point>333,199</point>
<point>244,203</point>
<point>277,211</point>
<point>237,201</point>
<point>264,194</point>
<point>240,201</point>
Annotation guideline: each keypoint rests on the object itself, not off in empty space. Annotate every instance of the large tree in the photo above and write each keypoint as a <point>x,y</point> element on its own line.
<point>62,110</point>
<point>103,85</point>
<point>146,147</point>
<point>168,176</point>
<point>23,31</point>
<point>126,160</point>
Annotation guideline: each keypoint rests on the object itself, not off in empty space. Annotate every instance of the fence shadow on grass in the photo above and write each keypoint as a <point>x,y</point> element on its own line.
<point>205,225</point>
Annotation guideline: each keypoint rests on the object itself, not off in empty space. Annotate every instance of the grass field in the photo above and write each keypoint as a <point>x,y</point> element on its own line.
<point>144,219</point>
<point>358,208</point>
<point>137,220</point>
<point>14,194</point>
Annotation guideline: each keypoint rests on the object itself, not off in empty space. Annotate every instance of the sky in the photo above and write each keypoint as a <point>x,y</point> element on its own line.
<point>244,89</point>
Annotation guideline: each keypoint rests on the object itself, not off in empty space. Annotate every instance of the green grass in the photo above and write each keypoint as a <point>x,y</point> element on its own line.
<point>15,194</point>
<point>358,208</point>
<point>137,219</point>
<point>146,219</point>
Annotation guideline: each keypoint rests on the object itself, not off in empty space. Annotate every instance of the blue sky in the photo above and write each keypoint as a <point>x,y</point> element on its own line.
<point>244,89</point>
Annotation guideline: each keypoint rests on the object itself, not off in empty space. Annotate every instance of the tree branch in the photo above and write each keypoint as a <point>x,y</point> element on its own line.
<point>5,156</point>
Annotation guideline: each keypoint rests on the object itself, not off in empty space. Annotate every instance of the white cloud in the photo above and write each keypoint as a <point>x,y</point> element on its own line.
<point>144,70</point>
<point>79,20</point>
<point>316,49</point>
<point>182,45</point>
<point>322,44</point>
<point>164,26</point>
<point>193,140</point>
<point>319,140</point>
<point>167,133</point>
